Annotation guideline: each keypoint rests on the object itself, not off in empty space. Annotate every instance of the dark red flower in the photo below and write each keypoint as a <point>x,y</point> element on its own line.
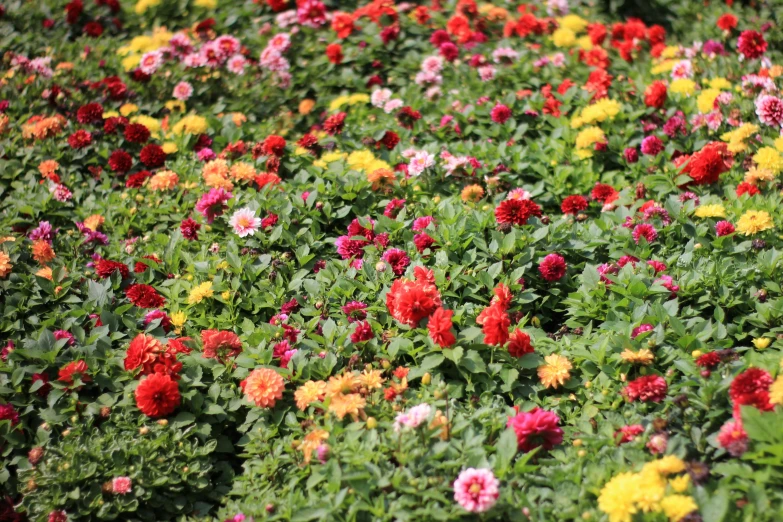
<point>536,428</point>
<point>106,267</point>
<point>93,29</point>
<point>120,161</point>
<point>90,113</point>
<point>573,204</point>
<point>407,117</point>
<point>648,388</point>
<point>79,139</point>
<point>136,133</point>
<point>552,267</point>
<point>136,180</point>
<point>708,360</point>
<point>152,156</point>
<point>751,44</point>
<point>334,124</point>
<point>363,332</point>
<point>189,228</point>
<point>604,193</point>
<point>144,296</point>
<point>751,388</point>
<point>390,140</point>
<point>519,344</point>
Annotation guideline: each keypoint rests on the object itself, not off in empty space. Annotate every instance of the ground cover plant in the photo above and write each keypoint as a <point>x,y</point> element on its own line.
<point>450,260</point>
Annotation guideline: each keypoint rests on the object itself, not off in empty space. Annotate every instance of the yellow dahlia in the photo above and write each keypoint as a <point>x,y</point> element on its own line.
<point>753,222</point>
<point>555,372</point>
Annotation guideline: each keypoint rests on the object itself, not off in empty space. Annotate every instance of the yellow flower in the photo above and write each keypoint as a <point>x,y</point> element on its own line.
<point>175,105</point>
<point>308,393</point>
<point>575,23</point>
<point>178,319</point>
<point>371,379</point>
<point>705,100</point>
<point>94,222</point>
<point>143,5</point>
<point>680,484</point>
<point>226,295</point>
<point>555,372</point>
<point>151,123</point>
<point>128,108</point>
<point>776,390</point>
<point>762,342</point>
<point>341,384</point>
<point>208,4</point>
<point>753,222</point>
<point>585,43</point>
<point>684,86</point>
<point>338,102</point>
<point>652,488</point>
<point>602,110</point>
<point>769,159</point>
<point>720,83</point>
<point>643,356</point>
<point>668,465</point>
<point>779,144</point>
<point>710,211</point>
<point>676,507</point>
<point>472,193</point>
<point>618,497</point>
<point>200,292</point>
<point>754,175</point>
<point>663,67</point>
<point>359,97</point>
<point>670,51</point>
<point>131,62</point>
<point>564,37</point>
<point>588,137</point>
<point>170,147</point>
<point>191,124</point>
<point>360,159</point>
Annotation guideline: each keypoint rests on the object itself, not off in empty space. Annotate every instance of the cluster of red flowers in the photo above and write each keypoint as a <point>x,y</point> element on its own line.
<point>706,165</point>
<point>494,319</point>
<point>751,388</point>
<point>411,301</point>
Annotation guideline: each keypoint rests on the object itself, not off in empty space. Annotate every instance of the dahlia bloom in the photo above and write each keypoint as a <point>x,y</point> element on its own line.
<point>770,110</point>
<point>751,388</point>
<point>412,418</point>
<point>733,438</point>
<point>213,203</point>
<point>411,301</point>
<point>244,222</point>
<point>552,267</point>
<point>157,395</point>
<point>648,388</point>
<point>536,428</point>
<point>476,490</point>
<point>263,387</point>
<point>121,485</point>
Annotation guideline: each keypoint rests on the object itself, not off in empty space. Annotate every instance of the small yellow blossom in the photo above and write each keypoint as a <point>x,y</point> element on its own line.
<point>200,292</point>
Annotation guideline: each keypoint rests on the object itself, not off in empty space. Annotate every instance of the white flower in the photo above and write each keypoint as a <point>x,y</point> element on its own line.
<point>413,417</point>
<point>379,97</point>
<point>244,222</point>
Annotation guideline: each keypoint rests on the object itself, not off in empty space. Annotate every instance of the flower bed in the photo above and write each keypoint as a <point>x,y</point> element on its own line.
<point>282,260</point>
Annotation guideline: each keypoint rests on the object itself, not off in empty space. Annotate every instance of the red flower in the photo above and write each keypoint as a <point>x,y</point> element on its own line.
<point>45,388</point>
<point>189,228</point>
<point>604,193</point>
<point>411,301</point>
<point>629,433</point>
<point>136,180</point>
<point>157,395</point>
<point>141,266</point>
<point>220,344</point>
<point>727,22</point>
<point>656,35</point>
<point>706,166</point>
<point>449,51</point>
<point>423,241</point>
<point>142,352</point>
<point>648,388</point>
<point>536,428</point>
<point>519,344</point>
<point>439,327</point>
<point>308,141</point>
<point>273,146</point>
<point>362,333</point>
<point>334,53</point>
<point>552,267</point>
<point>79,139</point>
<point>120,161</point>
<point>152,156</point>
<point>334,124</point>
<point>144,296</point>
<point>342,24</point>
<point>397,259</point>
<point>136,133</point>
<point>747,188</point>
<point>573,204</point>
<point>723,228</point>
<point>407,117</point>
<point>72,371</point>
<point>494,323</point>
<point>516,211</point>
<point>90,113</point>
<point>390,140</point>
<point>751,44</point>
<point>751,388</point>
<point>105,268</point>
<point>708,360</point>
<point>500,113</point>
<point>655,94</point>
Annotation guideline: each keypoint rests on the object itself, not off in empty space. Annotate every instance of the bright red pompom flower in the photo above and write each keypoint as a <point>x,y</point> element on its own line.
<point>157,395</point>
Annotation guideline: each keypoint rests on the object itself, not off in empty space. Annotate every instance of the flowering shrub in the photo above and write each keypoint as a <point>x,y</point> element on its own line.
<point>313,260</point>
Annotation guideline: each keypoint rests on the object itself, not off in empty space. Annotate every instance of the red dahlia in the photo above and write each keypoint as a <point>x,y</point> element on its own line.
<point>519,344</point>
<point>655,95</point>
<point>144,296</point>
<point>407,117</point>
<point>152,156</point>
<point>648,388</point>
<point>220,344</point>
<point>106,267</point>
<point>573,204</point>
<point>90,113</point>
<point>273,146</point>
<point>552,267</point>
<point>120,161</point>
<point>157,395</point>
<point>439,327</point>
<point>751,388</point>
<point>136,133</point>
<point>751,44</point>
<point>604,193</point>
<point>334,124</point>
<point>516,211</point>
<point>79,139</point>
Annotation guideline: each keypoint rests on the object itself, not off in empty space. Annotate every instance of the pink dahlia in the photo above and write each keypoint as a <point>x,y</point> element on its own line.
<point>733,438</point>
<point>476,490</point>
<point>244,222</point>
<point>723,228</point>
<point>641,329</point>
<point>552,267</point>
<point>500,113</point>
<point>213,203</point>
<point>121,485</point>
<point>536,428</point>
<point>651,146</point>
<point>397,259</point>
<point>770,110</point>
<point>646,231</point>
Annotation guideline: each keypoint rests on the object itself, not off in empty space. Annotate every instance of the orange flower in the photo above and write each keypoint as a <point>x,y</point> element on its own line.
<point>5,264</point>
<point>216,167</point>
<point>238,118</point>
<point>263,387</point>
<point>472,193</point>
<point>48,167</point>
<point>555,372</point>
<point>94,222</point>
<point>163,180</point>
<point>306,105</point>
<point>308,393</point>
<point>381,178</point>
<point>311,442</point>
<point>340,384</point>
<point>242,172</point>
<point>45,272</point>
<point>42,252</point>
<point>342,405</point>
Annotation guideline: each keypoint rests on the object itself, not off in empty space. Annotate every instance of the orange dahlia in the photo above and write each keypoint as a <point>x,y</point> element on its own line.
<point>308,393</point>
<point>5,264</point>
<point>263,387</point>
<point>42,252</point>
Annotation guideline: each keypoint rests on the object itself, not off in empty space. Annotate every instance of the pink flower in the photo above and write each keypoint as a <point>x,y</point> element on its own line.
<point>651,146</point>
<point>648,388</point>
<point>733,438</point>
<point>413,417</point>
<point>723,228</point>
<point>500,113</point>
<point>151,62</point>
<point>646,231</point>
<point>311,13</point>
<point>121,485</point>
<point>639,330</point>
<point>244,222</point>
<point>236,64</point>
<point>182,91</point>
<point>397,259</point>
<point>552,267</point>
<point>770,110</point>
<point>536,428</point>
<point>476,490</point>
<point>213,203</point>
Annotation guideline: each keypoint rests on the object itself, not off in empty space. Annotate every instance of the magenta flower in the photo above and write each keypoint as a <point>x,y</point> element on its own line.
<point>536,428</point>
<point>646,231</point>
<point>213,203</point>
